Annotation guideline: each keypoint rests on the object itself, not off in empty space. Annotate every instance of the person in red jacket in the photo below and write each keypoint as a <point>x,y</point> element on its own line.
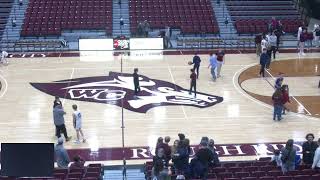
<point>285,98</point>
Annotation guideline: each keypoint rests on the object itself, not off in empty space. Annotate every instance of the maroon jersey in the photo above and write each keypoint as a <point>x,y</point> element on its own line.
<point>193,77</point>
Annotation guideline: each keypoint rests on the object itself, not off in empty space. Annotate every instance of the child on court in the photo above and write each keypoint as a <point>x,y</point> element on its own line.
<point>77,123</point>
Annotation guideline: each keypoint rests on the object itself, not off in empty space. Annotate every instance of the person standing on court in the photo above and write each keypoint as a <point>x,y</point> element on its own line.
<point>136,81</point>
<point>58,118</point>
<point>264,58</point>
<point>220,60</point>
<point>213,65</point>
<point>193,82</point>
<point>308,149</point>
<point>196,64</point>
<point>77,123</point>
<point>272,39</point>
<point>279,81</point>
<point>277,99</point>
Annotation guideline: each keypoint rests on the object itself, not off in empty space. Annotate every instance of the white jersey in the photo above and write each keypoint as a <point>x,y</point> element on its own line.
<point>299,33</point>
<point>4,54</point>
<point>264,44</point>
<point>78,119</point>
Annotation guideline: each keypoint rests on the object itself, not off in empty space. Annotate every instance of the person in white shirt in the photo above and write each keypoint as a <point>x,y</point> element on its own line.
<point>316,34</point>
<point>276,158</point>
<point>272,39</point>
<point>77,123</point>
<point>316,158</point>
<point>4,56</point>
<point>264,42</point>
<point>300,30</point>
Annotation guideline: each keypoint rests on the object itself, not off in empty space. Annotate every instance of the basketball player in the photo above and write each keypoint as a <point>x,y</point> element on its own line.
<point>4,56</point>
<point>136,81</point>
<point>196,63</point>
<point>77,123</point>
<point>193,82</point>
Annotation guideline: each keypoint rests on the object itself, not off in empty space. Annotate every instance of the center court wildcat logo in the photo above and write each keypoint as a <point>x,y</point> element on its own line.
<point>118,87</point>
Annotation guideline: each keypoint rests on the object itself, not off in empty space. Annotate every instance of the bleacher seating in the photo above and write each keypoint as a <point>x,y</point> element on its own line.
<point>252,26</point>
<point>250,170</point>
<point>91,172</point>
<point>191,16</point>
<point>253,16</point>
<point>5,9</point>
<point>44,18</point>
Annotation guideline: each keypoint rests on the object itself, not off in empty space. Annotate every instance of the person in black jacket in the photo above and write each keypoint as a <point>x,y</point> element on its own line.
<point>264,59</point>
<point>160,165</point>
<point>308,149</point>
<point>196,63</point>
<point>204,156</point>
<point>136,81</point>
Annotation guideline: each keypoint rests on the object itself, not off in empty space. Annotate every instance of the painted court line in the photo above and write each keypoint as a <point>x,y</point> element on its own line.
<point>5,86</point>
<point>300,104</point>
<point>173,81</point>
<point>237,87</point>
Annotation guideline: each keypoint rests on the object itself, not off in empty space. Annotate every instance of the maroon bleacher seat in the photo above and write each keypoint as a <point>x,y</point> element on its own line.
<point>241,174</point>
<point>75,175</point>
<point>234,169</point>
<point>293,173</point>
<point>301,177</point>
<point>252,17</point>
<point>249,178</point>
<point>284,178</point>
<point>229,164</point>
<point>258,173</point>
<point>224,175</point>
<point>244,164</point>
<point>267,178</point>
<point>219,170</point>
<point>188,15</point>
<point>44,18</point>
<point>92,174</point>
<point>98,165</point>
<point>251,168</point>
<point>268,168</point>
<point>315,177</point>
<point>77,170</point>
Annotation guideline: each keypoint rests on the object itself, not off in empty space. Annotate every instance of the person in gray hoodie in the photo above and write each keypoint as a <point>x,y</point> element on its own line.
<point>58,118</point>
<point>288,155</point>
<point>62,156</point>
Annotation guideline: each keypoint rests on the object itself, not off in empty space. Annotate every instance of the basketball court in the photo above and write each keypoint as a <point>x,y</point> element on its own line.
<point>243,116</point>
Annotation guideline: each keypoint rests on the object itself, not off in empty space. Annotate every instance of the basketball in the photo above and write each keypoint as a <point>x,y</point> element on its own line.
<point>190,62</point>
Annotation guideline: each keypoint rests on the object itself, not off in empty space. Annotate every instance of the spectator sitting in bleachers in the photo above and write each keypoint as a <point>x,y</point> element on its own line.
<point>78,163</point>
<point>276,158</point>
